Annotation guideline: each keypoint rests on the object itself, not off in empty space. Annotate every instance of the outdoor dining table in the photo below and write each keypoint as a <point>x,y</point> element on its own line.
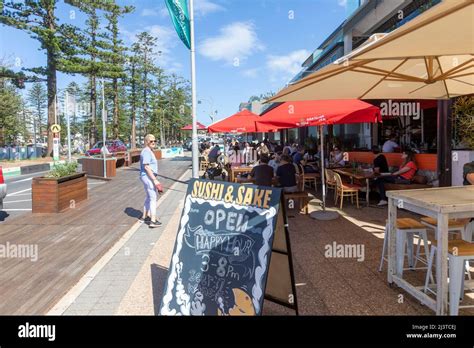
<point>439,203</point>
<point>358,175</point>
<point>236,170</point>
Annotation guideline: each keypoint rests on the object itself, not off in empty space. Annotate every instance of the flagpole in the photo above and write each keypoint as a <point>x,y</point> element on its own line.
<point>193,92</point>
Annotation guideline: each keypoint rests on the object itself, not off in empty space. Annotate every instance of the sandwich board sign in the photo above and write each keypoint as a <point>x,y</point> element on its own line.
<point>232,251</point>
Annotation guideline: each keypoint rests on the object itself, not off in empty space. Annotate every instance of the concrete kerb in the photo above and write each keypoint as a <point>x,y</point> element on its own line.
<point>67,300</point>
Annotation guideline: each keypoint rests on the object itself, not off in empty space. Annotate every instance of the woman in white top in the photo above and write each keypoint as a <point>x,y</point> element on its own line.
<point>148,174</point>
<point>337,158</point>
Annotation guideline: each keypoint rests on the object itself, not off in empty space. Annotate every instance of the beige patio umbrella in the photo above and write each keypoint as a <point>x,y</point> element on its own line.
<point>430,57</point>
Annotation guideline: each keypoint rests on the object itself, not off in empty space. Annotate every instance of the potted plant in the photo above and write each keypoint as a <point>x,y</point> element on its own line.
<point>62,188</point>
<point>463,136</point>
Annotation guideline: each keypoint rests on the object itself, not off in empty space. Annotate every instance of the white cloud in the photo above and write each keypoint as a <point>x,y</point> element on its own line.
<point>283,68</point>
<point>204,7</point>
<point>234,43</point>
<point>167,39</point>
<point>342,3</point>
<point>149,12</point>
<point>201,9</point>
<point>251,73</point>
<point>290,63</point>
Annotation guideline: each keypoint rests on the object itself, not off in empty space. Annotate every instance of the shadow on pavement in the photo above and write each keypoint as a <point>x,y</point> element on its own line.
<point>3,215</point>
<point>181,159</point>
<point>133,212</point>
<point>158,280</point>
<point>173,179</point>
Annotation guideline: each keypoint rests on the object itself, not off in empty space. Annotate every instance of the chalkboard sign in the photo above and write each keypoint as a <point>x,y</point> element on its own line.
<point>223,249</point>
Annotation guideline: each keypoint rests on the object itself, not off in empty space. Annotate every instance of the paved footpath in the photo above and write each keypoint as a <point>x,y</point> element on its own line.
<point>101,291</point>
<point>72,245</point>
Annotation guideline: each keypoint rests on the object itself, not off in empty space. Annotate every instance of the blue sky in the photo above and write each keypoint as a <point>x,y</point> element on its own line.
<point>244,47</point>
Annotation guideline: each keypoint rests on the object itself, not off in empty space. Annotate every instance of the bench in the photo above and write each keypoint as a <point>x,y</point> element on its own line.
<point>418,182</point>
<point>302,197</point>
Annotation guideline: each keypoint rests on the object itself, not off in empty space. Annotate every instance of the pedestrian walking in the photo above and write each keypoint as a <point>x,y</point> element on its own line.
<point>148,176</point>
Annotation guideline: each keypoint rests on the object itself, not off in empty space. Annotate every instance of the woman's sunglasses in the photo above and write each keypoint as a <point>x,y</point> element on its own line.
<point>152,141</point>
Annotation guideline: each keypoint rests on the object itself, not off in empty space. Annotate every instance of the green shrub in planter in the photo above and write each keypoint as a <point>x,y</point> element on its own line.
<point>62,170</point>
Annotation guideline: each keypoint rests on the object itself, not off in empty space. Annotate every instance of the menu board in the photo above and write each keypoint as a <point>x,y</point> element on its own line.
<point>223,249</point>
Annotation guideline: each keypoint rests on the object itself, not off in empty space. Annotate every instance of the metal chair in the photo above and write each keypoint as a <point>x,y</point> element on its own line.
<point>406,229</point>
<point>460,252</point>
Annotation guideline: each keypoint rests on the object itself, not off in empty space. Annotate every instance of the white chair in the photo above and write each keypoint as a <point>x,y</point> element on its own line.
<point>460,252</point>
<point>407,229</point>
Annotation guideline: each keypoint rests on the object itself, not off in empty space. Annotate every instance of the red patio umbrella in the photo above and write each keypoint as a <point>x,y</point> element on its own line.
<point>241,122</point>
<point>319,113</point>
<point>199,125</point>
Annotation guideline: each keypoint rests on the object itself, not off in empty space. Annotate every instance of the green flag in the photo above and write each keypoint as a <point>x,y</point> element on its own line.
<point>178,10</point>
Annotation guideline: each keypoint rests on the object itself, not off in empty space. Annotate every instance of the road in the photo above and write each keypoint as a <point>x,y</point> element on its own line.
<point>18,199</point>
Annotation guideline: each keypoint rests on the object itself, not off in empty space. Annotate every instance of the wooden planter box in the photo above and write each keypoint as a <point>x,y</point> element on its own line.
<point>51,195</point>
<point>95,166</point>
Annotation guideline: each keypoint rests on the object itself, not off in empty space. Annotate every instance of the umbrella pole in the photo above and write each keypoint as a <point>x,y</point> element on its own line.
<point>322,167</point>
<point>323,214</point>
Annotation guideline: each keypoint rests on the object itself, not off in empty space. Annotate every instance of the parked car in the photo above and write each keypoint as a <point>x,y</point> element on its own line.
<point>3,188</point>
<point>113,146</point>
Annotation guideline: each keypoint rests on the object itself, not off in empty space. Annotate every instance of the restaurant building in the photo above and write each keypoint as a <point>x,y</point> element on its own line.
<point>417,128</point>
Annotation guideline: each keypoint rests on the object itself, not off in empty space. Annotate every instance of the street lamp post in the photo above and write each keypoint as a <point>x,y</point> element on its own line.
<point>212,112</point>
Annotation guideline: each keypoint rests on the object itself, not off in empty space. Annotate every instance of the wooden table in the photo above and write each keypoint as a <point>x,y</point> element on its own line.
<point>234,171</point>
<point>442,204</point>
<point>358,175</point>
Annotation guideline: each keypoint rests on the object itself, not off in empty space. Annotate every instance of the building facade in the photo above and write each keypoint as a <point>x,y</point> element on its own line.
<point>364,19</point>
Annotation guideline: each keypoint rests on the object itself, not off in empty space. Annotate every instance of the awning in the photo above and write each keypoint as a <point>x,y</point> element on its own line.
<point>199,125</point>
<point>241,122</point>
<point>430,57</point>
<point>318,112</point>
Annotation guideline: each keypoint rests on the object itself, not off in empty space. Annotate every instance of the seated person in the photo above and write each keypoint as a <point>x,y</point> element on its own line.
<point>206,151</point>
<point>402,176</point>
<point>262,174</point>
<point>336,158</point>
<point>468,173</point>
<point>390,145</point>
<point>286,174</point>
<point>234,155</point>
<point>275,162</point>
<point>263,150</point>
<point>214,154</point>
<point>380,162</point>
<point>299,158</point>
<point>278,148</point>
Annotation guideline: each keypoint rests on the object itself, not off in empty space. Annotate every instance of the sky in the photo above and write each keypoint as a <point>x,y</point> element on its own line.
<point>243,47</point>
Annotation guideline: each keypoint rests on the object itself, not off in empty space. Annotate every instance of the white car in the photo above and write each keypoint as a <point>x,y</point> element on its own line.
<point>3,188</point>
